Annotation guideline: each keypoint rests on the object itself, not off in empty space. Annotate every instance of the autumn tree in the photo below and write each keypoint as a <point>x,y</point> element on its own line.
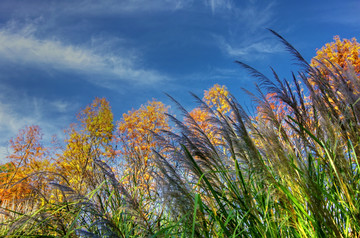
<point>332,82</point>
<point>331,61</point>
<point>136,143</point>
<point>9,192</point>
<point>216,99</point>
<point>88,140</point>
<point>21,176</point>
<point>343,53</point>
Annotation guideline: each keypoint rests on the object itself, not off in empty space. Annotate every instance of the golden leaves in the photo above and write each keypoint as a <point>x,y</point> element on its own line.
<point>216,98</point>
<point>136,126</point>
<point>10,191</point>
<point>135,135</point>
<point>27,158</point>
<point>341,53</point>
<point>87,141</point>
<point>97,120</point>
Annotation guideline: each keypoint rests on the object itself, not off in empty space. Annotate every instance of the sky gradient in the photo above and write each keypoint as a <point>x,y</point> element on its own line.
<point>57,56</point>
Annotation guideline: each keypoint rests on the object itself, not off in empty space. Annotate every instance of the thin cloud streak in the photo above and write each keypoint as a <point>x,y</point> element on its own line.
<point>253,50</point>
<point>113,7</point>
<point>256,17</point>
<point>90,7</point>
<point>129,6</point>
<point>219,5</point>
<point>253,19</point>
<point>23,47</point>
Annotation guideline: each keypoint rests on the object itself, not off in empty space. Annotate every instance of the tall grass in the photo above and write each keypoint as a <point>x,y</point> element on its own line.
<point>293,175</point>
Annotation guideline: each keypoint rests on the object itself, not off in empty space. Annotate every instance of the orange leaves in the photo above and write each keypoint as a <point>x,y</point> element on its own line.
<point>216,97</point>
<point>8,191</point>
<point>339,53</point>
<point>201,118</point>
<point>135,126</point>
<point>26,146</point>
<point>97,120</point>
<point>27,158</point>
<point>87,141</point>
<point>137,142</point>
<point>277,106</point>
<point>328,79</point>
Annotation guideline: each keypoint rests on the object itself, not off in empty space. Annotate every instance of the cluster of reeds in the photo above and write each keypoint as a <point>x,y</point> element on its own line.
<point>267,175</point>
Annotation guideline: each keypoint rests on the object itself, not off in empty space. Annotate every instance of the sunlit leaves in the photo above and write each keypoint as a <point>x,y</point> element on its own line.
<point>216,98</point>
<point>339,53</point>
<point>19,176</point>
<point>136,127</point>
<point>97,121</point>
<point>135,136</point>
<point>88,140</point>
<point>289,170</point>
<point>334,59</point>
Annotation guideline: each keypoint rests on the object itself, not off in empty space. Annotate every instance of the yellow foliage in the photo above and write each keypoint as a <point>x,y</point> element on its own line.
<point>87,141</point>
<point>137,142</point>
<point>20,176</point>
<point>216,98</point>
<point>341,53</point>
<point>135,126</point>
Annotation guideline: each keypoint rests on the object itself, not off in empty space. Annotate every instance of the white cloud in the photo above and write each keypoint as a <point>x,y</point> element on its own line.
<point>27,9</point>
<point>22,46</point>
<point>114,7</point>
<point>256,16</point>
<point>32,111</point>
<point>221,5</point>
<point>61,105</point>
<point>250,50</point>
<point>247,30</point>
<point>18,110</point>
<point>255,48</point>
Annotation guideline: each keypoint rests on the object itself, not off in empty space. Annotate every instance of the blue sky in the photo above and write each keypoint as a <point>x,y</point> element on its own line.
<point>57,56</point>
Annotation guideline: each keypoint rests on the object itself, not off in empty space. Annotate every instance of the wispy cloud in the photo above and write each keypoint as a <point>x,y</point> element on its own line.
<point>130,6</point>
<point>255,15</point>
<point>112,7</point>
<point>22,46</point>
<point>219,5</point>
<point>246,31</point>
<point>27,9</point>
<point>19,110</point>
<point>253,50</point>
